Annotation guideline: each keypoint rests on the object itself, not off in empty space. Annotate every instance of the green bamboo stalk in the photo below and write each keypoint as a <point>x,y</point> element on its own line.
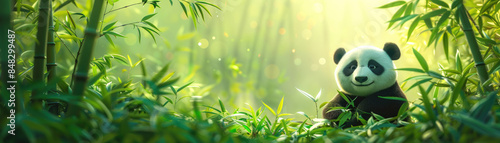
<point>51,61</point>
<point>40,48</point>
<point>4,28</point>
<point>51,52</point>
<point>482,70</point>
<point>81,74</point>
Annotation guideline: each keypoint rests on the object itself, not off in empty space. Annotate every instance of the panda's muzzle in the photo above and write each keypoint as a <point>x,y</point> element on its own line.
<point>362,84</point>
<point>361,80</point>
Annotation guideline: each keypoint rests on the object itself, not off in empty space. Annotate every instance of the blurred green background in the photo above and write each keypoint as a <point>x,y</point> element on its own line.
<point>253,51</point>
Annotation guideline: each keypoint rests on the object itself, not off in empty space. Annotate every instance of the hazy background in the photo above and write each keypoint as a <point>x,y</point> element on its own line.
<point>259,50</point>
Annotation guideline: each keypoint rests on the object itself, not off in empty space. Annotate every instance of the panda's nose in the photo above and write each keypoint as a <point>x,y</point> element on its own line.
<point>361,78</point>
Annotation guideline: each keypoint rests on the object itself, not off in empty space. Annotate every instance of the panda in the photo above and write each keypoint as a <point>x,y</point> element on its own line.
<point>364,75</point>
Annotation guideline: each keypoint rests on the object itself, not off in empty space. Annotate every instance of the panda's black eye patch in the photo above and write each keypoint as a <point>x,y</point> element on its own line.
<point>349,68</point>
<point>375,67</point>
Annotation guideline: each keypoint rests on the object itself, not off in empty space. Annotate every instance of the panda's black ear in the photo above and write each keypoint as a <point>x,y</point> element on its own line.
<point>338,55</point>
<point>392,50</point>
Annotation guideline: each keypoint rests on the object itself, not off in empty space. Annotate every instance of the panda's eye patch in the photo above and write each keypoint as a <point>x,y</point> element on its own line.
<point>375,67</point>
<point>353,67</point>
<point>349,68</point>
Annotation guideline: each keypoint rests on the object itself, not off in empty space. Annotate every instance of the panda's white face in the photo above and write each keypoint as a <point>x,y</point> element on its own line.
<point>365,70</point>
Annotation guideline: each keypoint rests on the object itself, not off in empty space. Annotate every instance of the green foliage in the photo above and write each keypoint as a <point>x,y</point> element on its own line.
<point>455,105</point>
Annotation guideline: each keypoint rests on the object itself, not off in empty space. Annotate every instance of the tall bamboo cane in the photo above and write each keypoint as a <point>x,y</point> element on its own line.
<point>40,48</point>
<point>51,52</point>
<point>474,47</point>
<point>4,76</point>
<point>81,74</point>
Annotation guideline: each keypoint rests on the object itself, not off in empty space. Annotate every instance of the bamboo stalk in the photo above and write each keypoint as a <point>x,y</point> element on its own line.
<point>40,48</point>
<point>81,74</point>
<point>5,23</point>
<point>482,70</point>
<point>51,52</point>
<point>51,61</point>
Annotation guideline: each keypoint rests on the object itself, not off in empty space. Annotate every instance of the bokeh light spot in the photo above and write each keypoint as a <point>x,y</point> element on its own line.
<point>297,61</point>
<point>282,31</point>
<point>225,34</point>
<point>203,43</point>
<point>213,37</point>
<point>322,61</point>
<point>272,71</point>
<point>293,50</point>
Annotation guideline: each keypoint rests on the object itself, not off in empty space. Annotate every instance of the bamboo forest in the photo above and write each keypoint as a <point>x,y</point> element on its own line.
<point>249,71</point>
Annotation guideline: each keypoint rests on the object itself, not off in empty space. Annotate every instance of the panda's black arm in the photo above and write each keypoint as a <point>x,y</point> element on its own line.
<point>384,107</point>
<point>337,101</point>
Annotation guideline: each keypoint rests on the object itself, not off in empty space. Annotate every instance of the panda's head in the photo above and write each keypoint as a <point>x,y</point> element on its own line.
<point>367,69</point>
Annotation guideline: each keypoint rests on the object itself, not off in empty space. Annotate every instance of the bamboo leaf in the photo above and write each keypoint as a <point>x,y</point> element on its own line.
<point>200,11</point>
<point>411,69</point>
<point>109,26</point>
<point>160,73</point>
<point>434,13</point>
<point>222,108</point>
<point>270,109</point>
<point>148,17</point>
<point>413,26</point>
<point>139,33</point>
<point>151,25</point>
<point>476,125</point>
<point>194,14</point>
<point>150,33</point>
<point>418,83</point>
<point>445,45</point>
<point>396,15</point>
<point>206,3</point>
<point>280,106</point>
<point>73,25</point>
<point>458,88</point>
<point>205,8</point>
<point>458,62</point>
<point>109,40</point>
<point>184,86</point>
<point>318,95</point>
<point>440,3</point>
<point>307,95</point>
<point>129,60</point>
<point>183,8</point>
<point>393,98</point>
<point>113,33</point>
<point>393,4</point>
<point>443,18</point>
<point>421,60</point>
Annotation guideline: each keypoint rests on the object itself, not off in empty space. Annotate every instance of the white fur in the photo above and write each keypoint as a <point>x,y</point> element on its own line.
<point>362,55</point>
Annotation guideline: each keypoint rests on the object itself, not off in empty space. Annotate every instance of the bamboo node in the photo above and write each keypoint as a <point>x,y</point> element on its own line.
<point>51,43</point>
<point>80,76</point>
<point>40,57</point>
<point>479,64</point>
<point>91,31</point>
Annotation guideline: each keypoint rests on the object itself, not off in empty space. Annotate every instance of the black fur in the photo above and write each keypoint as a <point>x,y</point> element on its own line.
<point>349,68</point>
<point>365,105</point>
<point>392,50</point>
<point>339,53</point>
<point>375,67</point>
